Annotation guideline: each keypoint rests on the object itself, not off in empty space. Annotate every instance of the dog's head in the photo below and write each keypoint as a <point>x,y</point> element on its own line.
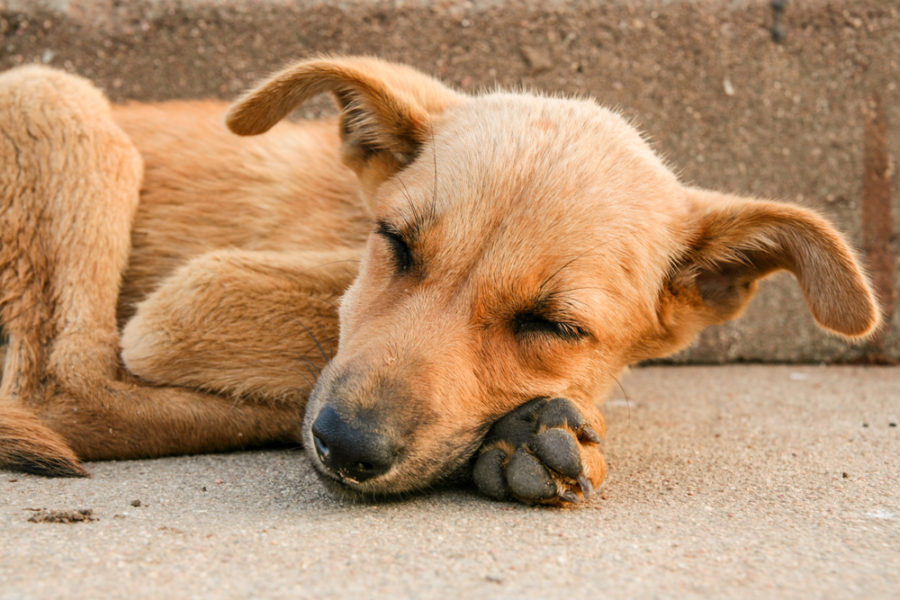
<point>521,246</point>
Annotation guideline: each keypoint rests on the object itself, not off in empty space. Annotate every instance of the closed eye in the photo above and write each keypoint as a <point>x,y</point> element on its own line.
<point>532,323</point>
<point>403,259</point>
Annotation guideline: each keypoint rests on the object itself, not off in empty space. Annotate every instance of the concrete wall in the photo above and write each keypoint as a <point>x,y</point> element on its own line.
<point>813,119</point>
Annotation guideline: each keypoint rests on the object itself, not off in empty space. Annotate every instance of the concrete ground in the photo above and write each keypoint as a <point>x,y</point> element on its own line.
<point>737,481</point>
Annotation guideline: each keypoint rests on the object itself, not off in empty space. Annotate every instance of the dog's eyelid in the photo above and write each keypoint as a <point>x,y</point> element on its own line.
<point>386,228</point>
<point>407,233</point>
<point>400,248</point>
<point>535,322</point>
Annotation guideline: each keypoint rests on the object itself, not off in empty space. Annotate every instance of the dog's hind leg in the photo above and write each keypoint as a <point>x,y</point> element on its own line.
<point>69,188</point>
<point>69,184</point>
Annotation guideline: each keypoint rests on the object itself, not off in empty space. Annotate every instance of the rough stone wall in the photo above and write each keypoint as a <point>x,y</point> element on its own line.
<point>813,119</point>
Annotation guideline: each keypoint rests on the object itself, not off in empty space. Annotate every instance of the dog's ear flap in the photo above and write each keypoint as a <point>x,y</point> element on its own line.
<point>386,108</point>
<point>736,241</point>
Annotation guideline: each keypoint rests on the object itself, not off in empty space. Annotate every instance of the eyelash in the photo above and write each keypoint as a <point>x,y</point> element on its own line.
<point>529,323</point>
<point>403,259</point>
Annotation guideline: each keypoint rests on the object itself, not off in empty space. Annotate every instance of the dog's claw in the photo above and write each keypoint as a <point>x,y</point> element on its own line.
<point>569,496</point>
<point>590,434</point>
<point>585,484</point>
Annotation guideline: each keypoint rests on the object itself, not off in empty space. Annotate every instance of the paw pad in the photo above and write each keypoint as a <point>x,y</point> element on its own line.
<point>544,452</point>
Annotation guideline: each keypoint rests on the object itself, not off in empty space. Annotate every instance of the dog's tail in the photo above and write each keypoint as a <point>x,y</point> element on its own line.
<point>29,446</point>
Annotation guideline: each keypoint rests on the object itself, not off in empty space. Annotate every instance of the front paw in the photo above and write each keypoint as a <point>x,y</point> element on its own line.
<point>544,452</point>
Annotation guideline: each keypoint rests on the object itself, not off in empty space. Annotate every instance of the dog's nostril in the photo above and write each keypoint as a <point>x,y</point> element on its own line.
<point>321,447</point>
<point>356,452</point>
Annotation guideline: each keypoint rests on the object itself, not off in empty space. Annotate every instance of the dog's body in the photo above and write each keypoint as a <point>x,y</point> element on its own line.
<point>484,251</point>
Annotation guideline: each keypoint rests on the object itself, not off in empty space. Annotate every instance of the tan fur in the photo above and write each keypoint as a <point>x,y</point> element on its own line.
<point>245,255</point>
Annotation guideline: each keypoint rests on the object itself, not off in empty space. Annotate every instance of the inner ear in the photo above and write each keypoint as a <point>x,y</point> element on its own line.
<point>387,109</point>
<point>368,130</point>
<point>737,241</point>
<point>725,288</point>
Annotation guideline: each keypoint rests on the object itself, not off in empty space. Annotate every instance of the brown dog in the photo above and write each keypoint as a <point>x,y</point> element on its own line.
<point>504,255</point>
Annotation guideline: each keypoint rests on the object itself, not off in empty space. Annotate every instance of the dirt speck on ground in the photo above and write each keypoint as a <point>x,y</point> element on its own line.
<point>42,515</point>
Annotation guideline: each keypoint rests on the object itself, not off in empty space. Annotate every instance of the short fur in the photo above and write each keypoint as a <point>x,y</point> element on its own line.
<point>168,287</point>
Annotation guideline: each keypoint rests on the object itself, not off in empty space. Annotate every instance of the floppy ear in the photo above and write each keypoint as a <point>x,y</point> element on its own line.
<point>736,241</point>
<point>386,109</point>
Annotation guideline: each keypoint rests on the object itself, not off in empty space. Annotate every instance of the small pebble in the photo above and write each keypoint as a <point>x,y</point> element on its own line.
<point>135,503</point>
<point>728,87</point>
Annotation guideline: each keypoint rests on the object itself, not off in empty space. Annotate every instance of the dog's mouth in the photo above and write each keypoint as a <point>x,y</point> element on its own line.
<point>337,477</point>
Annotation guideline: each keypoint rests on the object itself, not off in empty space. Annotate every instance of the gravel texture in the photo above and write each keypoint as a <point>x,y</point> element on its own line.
<point>737,481</point>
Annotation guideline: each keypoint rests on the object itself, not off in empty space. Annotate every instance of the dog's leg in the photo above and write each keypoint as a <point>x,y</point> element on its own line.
<point>68,190</point>
<point>254,328</point>
<point>243,324</point>
<point>69,186</point>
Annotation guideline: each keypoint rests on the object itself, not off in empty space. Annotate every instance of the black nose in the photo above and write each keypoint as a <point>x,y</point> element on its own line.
<point>355,452</point>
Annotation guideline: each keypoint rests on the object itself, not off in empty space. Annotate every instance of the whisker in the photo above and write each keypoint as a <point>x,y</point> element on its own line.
<point>311,367</point>
<point>418,218</point>
<point>337,262</point>
<point>316,341</point>
<point>331,341</point>
<point>434,185</point>
<point>406,195</point>
<point>556,293</point>
<point>625,395</point>
<point>240,396</point>
<point>569,262</point>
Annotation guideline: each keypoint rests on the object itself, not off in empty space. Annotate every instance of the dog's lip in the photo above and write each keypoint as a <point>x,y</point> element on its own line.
<point>336,477</point>
<point>352,490</point>
<point>337,486</point>
<point>339,477</point>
